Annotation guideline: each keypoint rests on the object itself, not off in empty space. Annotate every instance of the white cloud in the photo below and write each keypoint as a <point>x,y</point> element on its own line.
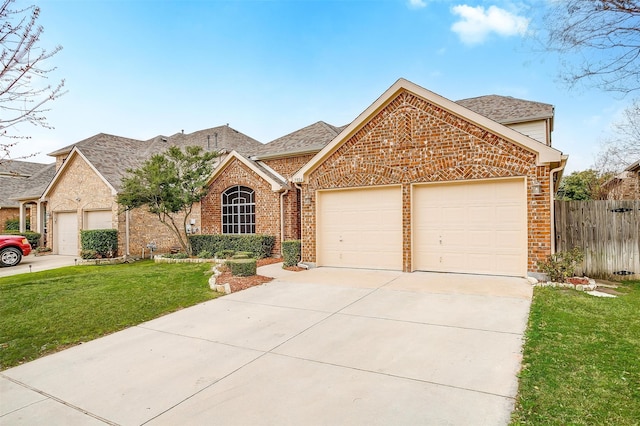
<point>417,4</point>
<point>476,23</point>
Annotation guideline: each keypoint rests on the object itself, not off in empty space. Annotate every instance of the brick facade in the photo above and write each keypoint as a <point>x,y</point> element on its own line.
<point>80,189</point>
<point>289,165</point>
<point>411,141</point>
<point>267,204</point>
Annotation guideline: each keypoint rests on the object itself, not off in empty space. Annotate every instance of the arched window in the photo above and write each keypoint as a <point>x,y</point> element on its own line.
<point>238,210</point>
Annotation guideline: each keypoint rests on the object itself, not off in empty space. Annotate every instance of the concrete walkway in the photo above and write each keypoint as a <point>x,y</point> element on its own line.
<point>325,346</point>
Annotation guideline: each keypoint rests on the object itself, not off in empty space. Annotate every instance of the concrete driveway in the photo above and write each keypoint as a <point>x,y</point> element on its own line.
<point>325,346</point>
<point>33,263</point>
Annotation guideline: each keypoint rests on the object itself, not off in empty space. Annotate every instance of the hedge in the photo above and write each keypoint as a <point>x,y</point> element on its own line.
<point>291,252</point>
<point>242,267</point>
<point>103,241</point>
<point>33,237</point>
<point>260,246</point>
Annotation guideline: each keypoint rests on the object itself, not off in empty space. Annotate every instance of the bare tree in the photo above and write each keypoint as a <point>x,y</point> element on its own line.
<point>623,148</point>
<point>604,35</point>
<point>23,78</point>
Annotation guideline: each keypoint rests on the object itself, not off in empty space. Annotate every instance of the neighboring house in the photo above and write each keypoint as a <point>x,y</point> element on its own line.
<point>415,182</point>
<point>82,195</point>
<point>18,178</point>
<point>625,185</point>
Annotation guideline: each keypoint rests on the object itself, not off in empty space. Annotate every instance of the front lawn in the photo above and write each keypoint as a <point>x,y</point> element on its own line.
<point>581,359</point>
<point>43,312</point>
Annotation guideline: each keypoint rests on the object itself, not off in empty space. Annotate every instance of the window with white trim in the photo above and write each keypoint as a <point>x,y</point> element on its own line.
<point>238,210</point>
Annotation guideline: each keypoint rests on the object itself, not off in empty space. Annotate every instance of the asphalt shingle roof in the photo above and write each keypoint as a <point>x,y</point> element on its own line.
<point>113,155</point>
<point>505,109</point>
<point>19,168</point>
<point>312,137</point>
<point>14,187</point>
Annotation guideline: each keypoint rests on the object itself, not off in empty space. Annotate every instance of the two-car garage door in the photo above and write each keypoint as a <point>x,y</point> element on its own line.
<point>469,227</point>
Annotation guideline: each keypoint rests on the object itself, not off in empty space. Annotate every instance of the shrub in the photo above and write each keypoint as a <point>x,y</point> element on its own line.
<point>561,265</point>
<point>242,267</point>
<point>258,245</point>
<point>103,241</point>
<point>43,249</point>
<point>241,255</point>
<point>205,254</point>
<point>88,254</point>
<point>291,252</point>
<point>14,224</point>
<point>33,237</point>
<point>225,254</point>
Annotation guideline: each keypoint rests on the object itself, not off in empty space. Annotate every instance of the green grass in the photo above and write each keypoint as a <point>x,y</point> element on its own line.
<point>581,359</point>
<point>44,312</point>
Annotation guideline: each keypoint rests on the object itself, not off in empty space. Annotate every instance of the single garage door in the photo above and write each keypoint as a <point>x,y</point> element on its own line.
<point>99,219</point>
<point>66,233</point>
<point>360,228</point>
<point>471,227</point>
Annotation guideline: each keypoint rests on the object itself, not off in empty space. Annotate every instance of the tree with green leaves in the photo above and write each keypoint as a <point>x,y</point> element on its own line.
<point>582,185</point>
<point>169,184</point>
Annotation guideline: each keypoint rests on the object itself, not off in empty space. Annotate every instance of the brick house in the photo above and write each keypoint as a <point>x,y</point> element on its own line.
<point>82,194</point>
<point>625,185</point>
<point>415,182</point>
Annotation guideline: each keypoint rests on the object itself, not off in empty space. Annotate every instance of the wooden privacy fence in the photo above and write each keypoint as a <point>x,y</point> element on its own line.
<point>606,231</point>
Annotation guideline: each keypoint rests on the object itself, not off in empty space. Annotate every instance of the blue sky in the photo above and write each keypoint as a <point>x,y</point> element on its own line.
<point>143,68</point>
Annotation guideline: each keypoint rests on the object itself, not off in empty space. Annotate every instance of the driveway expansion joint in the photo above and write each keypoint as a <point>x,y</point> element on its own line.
<point>53,398</point>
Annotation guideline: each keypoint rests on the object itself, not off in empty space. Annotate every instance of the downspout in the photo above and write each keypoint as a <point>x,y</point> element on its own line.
<point>126,231</point>
<point>551,205</point>
<point>282,194</point>
<point>297,185</point>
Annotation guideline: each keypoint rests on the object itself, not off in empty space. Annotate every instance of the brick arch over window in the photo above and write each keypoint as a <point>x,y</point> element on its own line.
<point>239,210</point>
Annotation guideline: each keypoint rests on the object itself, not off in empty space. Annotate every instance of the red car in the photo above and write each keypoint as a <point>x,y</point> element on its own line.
<point>12,248</point>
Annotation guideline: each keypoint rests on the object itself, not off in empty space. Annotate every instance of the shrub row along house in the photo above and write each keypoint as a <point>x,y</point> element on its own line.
<point>415,182</point>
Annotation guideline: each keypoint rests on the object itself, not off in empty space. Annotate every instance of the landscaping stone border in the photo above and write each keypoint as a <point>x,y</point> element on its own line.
<point>578,287</point>
<point>105,261</point>
<point>161,259</point>
<point>220,288</point>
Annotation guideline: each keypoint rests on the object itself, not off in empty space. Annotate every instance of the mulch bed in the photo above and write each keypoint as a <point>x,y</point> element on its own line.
<point>242,283</point>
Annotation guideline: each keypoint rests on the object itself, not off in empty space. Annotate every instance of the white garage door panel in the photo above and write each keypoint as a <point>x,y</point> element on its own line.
<point>470,227</point>
<point>360,228</point>
<point>99,219</point>
<point>66,233</point>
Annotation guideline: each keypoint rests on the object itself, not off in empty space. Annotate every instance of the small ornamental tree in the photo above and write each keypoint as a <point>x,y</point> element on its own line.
<point>169,184</point>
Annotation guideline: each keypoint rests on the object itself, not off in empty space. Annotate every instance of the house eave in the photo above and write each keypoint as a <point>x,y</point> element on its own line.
<point>544,154</point>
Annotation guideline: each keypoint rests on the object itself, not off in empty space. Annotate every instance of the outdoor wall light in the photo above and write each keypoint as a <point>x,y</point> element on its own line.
<point>536,187</point>
<point>307,199</point>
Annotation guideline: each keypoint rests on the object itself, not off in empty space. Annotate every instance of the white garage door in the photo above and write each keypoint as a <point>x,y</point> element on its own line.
<point>99,219</point>
<point>360,228</point>
<point>66,233</point>
<point>471,227</point>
